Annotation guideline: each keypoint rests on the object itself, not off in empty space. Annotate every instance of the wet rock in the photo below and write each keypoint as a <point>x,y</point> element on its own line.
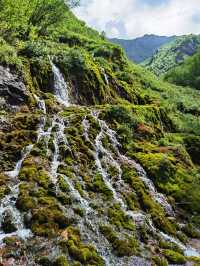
<point>8,225</point>
<point>12,88</point>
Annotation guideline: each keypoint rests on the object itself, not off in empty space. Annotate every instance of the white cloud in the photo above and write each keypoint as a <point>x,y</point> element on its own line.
<point>137,19</point>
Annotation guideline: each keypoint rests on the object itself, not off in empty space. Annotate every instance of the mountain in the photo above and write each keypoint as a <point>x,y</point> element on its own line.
<point>172,54</point>
<point>99,159</point>
<point>187,74</point>
<point>139,49</point>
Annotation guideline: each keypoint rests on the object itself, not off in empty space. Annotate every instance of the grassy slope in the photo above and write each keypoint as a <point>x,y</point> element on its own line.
<point>172,54</point>
<point>187,74</point>
<point>157,124</point>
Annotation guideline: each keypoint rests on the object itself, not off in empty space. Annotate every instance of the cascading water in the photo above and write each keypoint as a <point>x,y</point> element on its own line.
<point>60,86</point>
<point>25,153</point>
<point>104,158</point>
<point>7,206</point>
<point>41,104</point>
<point>158,197</point>
<point>188,251</point>
<point>105,76</point>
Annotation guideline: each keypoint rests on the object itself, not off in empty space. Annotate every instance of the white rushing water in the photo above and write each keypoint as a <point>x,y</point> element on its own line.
<point>105,76</point>
<point>26,151</point>
<point>138,217</point>
<point>7,206</point>
<point>60,86</point>
<point>41,104</point>
<point>188,250</point>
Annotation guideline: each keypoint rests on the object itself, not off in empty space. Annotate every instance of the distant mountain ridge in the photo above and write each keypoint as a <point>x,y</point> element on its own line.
<point>139,49</point>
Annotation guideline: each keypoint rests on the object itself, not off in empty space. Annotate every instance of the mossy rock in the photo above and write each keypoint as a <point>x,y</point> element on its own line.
<point>61,261</point>
<point>122,247</point>
<point>174,257</point>
<point>159,261</point>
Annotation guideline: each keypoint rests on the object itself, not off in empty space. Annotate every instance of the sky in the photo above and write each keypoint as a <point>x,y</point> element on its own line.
<point>129,19</point>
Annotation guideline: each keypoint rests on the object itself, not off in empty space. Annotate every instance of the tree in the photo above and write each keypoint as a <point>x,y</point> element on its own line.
<point>20,17</point>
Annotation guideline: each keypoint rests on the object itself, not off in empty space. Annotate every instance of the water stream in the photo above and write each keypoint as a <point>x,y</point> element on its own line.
<point>101,152</point>
<point>60,86</point>
<point>8,203</point>
<point>103,157</point>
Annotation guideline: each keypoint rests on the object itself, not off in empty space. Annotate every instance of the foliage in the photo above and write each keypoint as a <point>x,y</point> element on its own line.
<point>172,54</point>
<point>28,19</point>
<point>188,74</point>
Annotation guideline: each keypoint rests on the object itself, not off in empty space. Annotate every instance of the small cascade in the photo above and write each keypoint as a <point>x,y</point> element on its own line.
<point>89,226</point>
<point>86,127</point>
<point>83,203</point>
<point>7,206</point>
<point>41,104</point>
<point>188,251</point>
<point>105,76</point>
<point>138,217</point>
<point>25,153</point>
<point>59,138</point>
<point>42,107</point>
<point>60,86</point>
<point>158,197</point>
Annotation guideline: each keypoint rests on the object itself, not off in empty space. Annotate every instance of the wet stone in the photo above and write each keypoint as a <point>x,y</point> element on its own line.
<point>8,225</point>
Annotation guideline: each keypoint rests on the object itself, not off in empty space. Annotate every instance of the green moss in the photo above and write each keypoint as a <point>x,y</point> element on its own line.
<point>63,184</point>
<point>174,257</point>
<point>159,261</point>
<point>31,172</point>
<point>61,261</point>
<point>118,218</point>
<point>85,254</point>
<point>146,202</point>
<point>98,186</point>
<point>26,203</point>
<point>122,247</point>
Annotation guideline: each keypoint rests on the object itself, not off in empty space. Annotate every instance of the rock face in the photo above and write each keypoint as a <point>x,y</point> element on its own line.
<point>12,88</point>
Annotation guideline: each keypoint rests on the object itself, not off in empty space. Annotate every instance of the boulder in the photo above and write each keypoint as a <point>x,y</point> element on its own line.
<point>12,88</point>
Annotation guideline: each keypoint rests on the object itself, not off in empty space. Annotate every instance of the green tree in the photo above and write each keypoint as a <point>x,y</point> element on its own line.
<point>21,17</point>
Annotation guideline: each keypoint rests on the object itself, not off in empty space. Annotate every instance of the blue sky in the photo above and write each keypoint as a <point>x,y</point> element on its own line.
<point>133,18</point>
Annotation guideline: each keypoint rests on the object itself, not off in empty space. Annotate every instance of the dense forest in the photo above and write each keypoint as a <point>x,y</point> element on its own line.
<point>99,159</point>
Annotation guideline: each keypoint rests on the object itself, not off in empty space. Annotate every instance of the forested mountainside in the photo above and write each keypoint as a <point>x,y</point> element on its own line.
<point>188,74</point>
<point>172,54</point>
<point>99,160</point>
<point>142,48</point>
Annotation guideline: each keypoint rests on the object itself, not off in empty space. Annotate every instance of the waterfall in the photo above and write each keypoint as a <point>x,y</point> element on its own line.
<point>86,127</point>
<point>7,206</point>
<point>41,104</point>
<point>158,197</point>
<point>59,137</point>
<point>25,153</point>
<point>60,86</point>
<point>105,76</point>
<point>188,251</point>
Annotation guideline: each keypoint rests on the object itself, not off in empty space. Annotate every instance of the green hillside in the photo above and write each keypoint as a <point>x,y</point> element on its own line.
<point>99,159</point>
<point>172,54</point>
<point>188,74</point>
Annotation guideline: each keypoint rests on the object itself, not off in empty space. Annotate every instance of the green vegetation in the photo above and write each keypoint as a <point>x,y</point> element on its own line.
<point>156,123</point>
<point>172,54</point>
<point>187,74</point>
